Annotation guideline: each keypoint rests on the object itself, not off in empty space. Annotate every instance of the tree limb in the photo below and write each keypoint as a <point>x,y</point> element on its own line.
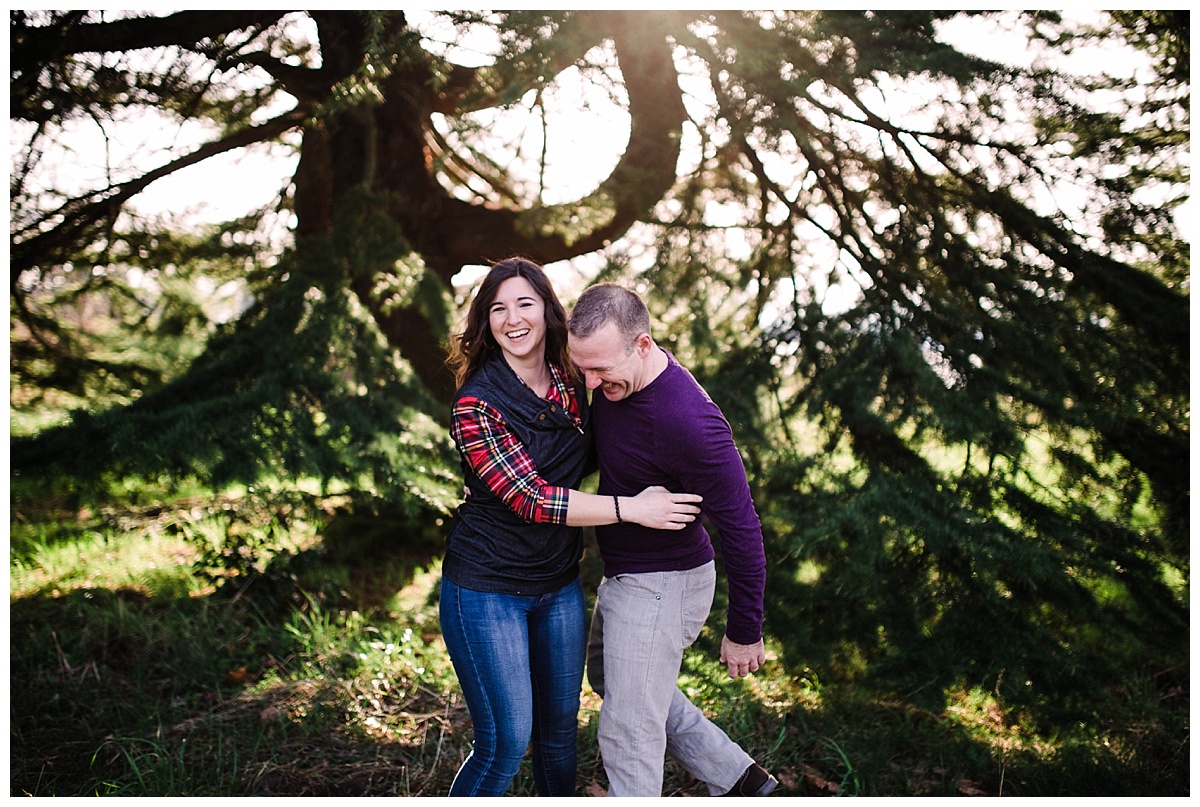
<point>81,215</point>
<point>453,233</point>
<point>34,47</point>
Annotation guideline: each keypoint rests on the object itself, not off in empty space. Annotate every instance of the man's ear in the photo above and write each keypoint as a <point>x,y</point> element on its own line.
<point>643,343</point>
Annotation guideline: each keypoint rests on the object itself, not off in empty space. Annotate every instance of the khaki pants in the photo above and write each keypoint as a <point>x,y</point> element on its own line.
<point>641,626</point>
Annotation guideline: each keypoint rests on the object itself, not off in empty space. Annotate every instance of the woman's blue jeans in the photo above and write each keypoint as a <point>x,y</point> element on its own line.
<point>519,661</point>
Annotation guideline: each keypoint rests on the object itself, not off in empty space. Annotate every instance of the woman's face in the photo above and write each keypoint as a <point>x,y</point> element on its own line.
<point>517,318</point>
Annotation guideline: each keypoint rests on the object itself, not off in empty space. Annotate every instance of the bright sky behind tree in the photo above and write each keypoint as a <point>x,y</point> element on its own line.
<point>587,143</point>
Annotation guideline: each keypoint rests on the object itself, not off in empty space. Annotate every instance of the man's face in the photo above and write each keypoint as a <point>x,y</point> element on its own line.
<point>608,360</point>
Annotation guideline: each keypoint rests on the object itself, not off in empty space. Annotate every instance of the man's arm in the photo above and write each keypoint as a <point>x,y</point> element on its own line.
<point>710,464</point>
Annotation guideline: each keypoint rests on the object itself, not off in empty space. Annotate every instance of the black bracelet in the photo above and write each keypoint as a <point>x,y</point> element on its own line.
<point>617,507</point>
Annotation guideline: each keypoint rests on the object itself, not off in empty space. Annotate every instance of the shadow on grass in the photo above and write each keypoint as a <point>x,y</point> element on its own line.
<point>326,677</point>
<point>168,687</point>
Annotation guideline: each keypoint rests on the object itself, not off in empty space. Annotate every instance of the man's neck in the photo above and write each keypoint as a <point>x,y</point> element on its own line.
<point>656,363</point>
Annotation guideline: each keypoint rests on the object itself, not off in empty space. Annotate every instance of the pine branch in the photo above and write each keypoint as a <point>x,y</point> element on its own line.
<point>81,216</point>
<point>33,48</point>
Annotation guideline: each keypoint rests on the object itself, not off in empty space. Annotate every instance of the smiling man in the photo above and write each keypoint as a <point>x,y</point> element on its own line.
<point>655,425</point>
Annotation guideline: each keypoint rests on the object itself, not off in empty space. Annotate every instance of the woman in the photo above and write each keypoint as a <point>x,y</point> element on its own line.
<point>511,606</point>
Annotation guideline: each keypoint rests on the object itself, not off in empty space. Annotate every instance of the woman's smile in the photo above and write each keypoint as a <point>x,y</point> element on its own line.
<point>518,320</point>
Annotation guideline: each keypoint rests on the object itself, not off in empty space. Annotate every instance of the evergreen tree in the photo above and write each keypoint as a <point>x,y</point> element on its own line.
<point>943,299</point>
<point>976,473</point>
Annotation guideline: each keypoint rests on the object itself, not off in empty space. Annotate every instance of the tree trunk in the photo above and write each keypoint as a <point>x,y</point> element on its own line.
<point>381,149</point>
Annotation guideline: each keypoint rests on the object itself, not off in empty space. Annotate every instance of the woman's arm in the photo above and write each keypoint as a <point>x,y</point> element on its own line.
<point>504,465</point>
<point>654,507</point>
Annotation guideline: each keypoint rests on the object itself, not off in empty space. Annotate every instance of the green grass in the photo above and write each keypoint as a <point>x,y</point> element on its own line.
<point>218,646</point>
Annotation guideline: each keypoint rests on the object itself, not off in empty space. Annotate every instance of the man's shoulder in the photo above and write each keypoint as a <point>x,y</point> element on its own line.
<point>687,397</point>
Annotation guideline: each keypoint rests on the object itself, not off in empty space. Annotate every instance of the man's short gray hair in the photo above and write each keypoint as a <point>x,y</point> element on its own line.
<point>608,302</point>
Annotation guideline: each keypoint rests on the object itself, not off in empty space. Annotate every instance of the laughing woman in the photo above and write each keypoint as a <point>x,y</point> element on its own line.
<point>512,607</point>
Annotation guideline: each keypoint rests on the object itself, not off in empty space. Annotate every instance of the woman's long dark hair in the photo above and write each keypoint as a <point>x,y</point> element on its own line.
<point>474,345</point>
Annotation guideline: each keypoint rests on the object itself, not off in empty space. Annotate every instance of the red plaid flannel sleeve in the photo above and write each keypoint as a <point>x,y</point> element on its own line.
<point>502,462</point>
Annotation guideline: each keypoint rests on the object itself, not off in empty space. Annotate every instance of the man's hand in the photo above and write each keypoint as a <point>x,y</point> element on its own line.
<point>742,659</point>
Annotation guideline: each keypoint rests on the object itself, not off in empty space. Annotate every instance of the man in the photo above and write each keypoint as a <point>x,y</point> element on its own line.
<point>656,425</point>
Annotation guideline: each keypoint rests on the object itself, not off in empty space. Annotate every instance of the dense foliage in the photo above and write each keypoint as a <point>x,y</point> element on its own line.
<point>943,299</point>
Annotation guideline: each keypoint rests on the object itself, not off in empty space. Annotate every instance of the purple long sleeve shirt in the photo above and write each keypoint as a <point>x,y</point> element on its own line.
<point>671,433</point>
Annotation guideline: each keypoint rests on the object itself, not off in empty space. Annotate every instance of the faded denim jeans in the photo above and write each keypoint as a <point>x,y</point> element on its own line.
<point>519,661</point>
<point>641,626</point>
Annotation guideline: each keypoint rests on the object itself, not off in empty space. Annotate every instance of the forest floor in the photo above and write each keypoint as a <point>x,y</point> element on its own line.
<point>197,648</point>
